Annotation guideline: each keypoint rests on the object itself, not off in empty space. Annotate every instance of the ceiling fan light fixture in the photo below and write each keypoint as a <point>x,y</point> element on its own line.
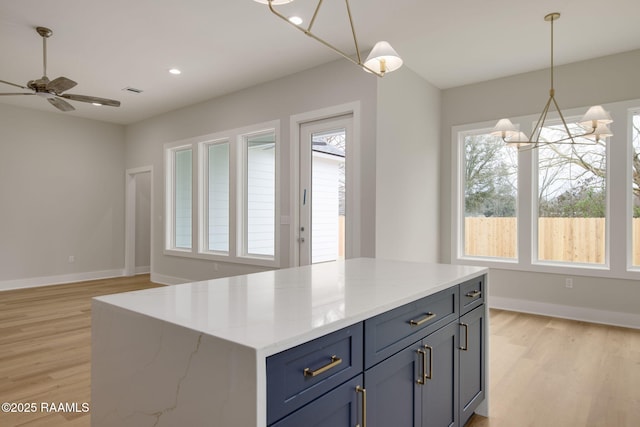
<point>383,58</point>
<point>53,90</point>
<point>45,95</point>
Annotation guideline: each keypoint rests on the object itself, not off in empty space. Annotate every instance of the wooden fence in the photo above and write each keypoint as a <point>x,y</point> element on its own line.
<point>561,239</point>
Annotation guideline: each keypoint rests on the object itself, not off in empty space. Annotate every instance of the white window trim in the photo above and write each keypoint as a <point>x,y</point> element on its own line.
<point>203,195</point>
<point>169,160</point>
<point>619,202</point>
<point>198,145</point>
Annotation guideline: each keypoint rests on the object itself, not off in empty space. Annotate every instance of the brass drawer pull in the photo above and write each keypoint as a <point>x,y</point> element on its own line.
<point>426,318</point>
<point>423,376</point>
<point>473,294</point>
<point>428,377</point>
<point>466,337</point>
<point>335,361</point>
<point>364,405</point>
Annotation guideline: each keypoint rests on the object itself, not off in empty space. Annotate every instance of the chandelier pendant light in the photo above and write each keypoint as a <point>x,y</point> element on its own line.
<point>381,60</point>
<point>594,125</point>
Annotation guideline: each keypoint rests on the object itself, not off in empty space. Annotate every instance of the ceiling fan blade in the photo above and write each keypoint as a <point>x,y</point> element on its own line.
<point>13,84</point>
<point>60,104</point>
<point>92,99</point>
<point>60,84</point>
<point>4,94</point>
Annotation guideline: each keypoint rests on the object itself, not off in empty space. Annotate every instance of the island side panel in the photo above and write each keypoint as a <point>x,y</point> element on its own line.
<point>147,372</point>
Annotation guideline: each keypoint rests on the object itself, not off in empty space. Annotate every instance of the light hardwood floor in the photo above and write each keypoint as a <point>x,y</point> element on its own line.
<point>45,347</point>
<point>545,372</point>
<point>551,372</point>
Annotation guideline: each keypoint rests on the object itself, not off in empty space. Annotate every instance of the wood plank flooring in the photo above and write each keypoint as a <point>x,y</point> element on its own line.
<point>551,372</point>
<point>45,348</point>
<point>545,372</point>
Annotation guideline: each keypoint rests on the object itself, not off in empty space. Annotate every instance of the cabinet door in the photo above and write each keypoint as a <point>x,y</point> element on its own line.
<point>393,393</point>
<point>440,392</point>
<point>340,407</point>
<point>472,354</point>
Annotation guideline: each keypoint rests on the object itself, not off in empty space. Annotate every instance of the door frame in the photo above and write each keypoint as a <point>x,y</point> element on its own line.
<point>352,226</point>
<point>130,219</point>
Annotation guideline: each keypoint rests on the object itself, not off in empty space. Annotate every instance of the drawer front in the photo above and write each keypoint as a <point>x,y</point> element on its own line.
<point>472,294</point>
<point>390,332</point>
<point>301,374</point>
<point>338,408</point>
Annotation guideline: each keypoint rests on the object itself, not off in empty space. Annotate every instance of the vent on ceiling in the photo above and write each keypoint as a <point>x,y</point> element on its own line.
<point>132,89</point>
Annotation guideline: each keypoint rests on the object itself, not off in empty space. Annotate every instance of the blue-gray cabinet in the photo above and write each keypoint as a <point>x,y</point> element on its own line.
<point>340,407</point>
<point>418,365</point>
<point>472,362</point>
<point>418,386</point>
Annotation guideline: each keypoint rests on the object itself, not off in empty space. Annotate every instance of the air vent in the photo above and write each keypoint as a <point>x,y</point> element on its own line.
<point>132,89</point>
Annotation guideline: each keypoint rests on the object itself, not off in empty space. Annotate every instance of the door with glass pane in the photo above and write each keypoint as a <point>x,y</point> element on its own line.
<point>323,190</point>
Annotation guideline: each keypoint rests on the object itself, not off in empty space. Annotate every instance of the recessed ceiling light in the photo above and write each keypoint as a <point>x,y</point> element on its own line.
<point>295,20</point>
<point>175,71</point>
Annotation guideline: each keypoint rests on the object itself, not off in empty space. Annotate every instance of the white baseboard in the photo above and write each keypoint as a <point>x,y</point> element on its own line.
<point>614,318</point>
<point>167,280</point>
<point>34,282</point>
<point>145,269</point>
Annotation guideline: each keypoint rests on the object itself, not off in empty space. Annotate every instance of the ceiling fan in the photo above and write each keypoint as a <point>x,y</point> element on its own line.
<point>52,90</point>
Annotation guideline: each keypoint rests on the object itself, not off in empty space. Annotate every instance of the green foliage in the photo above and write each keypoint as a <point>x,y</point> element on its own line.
<point>489,178</point>
<point>584,201</point>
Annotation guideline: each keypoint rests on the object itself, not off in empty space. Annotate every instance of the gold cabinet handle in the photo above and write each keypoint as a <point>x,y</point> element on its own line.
<point>335,361</point>
<point>466,337</point>
<point>423,375</point>
<point>428,376</point>
<point>364,405</point>
<point>473,294</point>
<point>426,318</point>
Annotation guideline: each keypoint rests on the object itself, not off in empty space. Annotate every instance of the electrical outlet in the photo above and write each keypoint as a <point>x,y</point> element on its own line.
<point>568,283</point>
<point>72,259</point>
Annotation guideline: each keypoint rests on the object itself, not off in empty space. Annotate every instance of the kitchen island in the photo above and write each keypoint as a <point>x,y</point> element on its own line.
<point>197,354</point>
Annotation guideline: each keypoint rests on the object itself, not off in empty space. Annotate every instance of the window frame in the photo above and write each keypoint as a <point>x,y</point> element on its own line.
<point>535,236</point>
<point>170,199</point>
<point>460,217</point>
<point>619,201</point>
<point>203,196</point>
<point>237,219</point>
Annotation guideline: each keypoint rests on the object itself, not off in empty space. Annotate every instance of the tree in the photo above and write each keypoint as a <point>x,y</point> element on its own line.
<point>571,177</point>
<point>490,177</point>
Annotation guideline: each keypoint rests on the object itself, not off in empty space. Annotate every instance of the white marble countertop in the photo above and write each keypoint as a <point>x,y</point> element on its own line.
<point>275,310</point>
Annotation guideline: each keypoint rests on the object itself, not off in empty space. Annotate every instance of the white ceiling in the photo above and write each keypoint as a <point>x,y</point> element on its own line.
<point>226,45</point>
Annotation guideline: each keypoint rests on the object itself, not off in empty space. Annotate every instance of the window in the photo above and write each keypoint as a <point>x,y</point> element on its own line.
<point>635,188</point>
<point>578,207</point>
<point>490,195</point>
<point>179,198</point>
<point>572,199</point>
<point>236,208</point>
<point>217,197</point>
<point>260,190</point>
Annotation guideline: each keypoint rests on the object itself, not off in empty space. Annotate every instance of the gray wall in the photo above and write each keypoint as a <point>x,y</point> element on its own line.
<point>599,81</point>
<point>407,170</point>
<point>62,192</point>
<point>143,222</point>
<point>325,86</point>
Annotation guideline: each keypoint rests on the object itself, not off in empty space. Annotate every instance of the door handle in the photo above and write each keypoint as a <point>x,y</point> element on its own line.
<point>364,405</point>
<point>466,337</point>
